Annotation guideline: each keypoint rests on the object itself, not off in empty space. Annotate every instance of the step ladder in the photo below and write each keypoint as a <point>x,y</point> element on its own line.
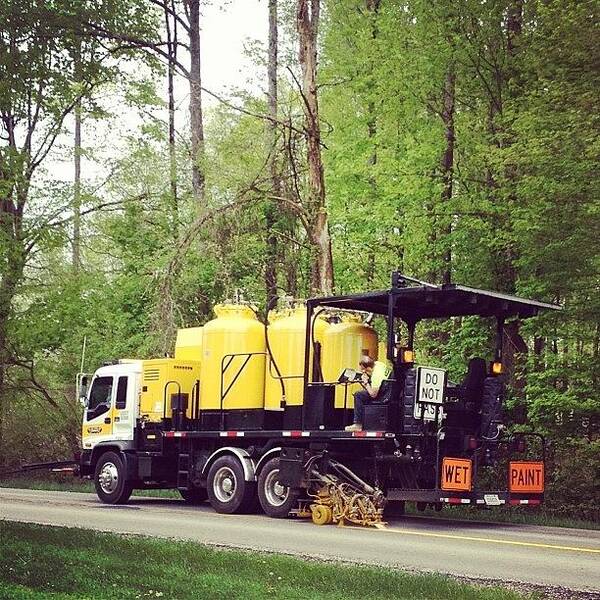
<point>183,471</point>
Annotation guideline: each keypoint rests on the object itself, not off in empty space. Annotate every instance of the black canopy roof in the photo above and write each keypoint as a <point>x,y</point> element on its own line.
<point>428,301</point>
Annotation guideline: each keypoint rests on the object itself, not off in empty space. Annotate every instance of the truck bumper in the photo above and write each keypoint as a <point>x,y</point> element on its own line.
<point>478,498</point>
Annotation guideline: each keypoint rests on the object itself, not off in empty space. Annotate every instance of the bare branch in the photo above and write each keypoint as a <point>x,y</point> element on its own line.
<point>171,10</point>
<point>52,224</point>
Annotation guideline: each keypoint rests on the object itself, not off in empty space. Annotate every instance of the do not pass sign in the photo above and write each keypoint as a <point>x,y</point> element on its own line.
<point>431,384</point>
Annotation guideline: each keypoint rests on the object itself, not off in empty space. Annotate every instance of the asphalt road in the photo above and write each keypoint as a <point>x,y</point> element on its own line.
<point>523,553</point>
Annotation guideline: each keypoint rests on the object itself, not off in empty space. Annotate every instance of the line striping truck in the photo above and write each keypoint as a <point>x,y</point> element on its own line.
<point>253,415</point>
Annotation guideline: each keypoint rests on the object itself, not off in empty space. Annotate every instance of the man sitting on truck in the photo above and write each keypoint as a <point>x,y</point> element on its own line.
<point>373,372</point>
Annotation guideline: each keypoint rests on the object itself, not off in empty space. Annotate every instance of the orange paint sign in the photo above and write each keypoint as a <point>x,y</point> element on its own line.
<point>456,474</point>
<point>525,477</point>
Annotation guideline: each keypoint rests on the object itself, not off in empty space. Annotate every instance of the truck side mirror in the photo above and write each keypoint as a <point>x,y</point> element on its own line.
<point>82,391</point>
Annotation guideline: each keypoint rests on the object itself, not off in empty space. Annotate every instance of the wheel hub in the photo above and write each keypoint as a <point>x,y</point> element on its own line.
<point>275,492</point>
<point>108,478</point>
<point>225,484</point>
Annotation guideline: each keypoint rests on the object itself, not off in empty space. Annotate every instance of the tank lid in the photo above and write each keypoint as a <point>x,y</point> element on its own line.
<point>351,318</point>
<point>235,310</point>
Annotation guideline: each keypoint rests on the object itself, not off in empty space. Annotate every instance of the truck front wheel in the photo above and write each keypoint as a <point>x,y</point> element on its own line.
<point>228,491</point>
<point>277,500</point>
<point>110,481</point>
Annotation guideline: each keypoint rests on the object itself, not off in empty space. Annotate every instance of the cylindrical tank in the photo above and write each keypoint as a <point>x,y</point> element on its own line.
<point>235,331</point>
<point>188,345</point>
<point>287,337</point>
<point>343,345</point>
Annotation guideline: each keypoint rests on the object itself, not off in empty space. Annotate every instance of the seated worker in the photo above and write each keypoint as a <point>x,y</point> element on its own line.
<point>373,374</point>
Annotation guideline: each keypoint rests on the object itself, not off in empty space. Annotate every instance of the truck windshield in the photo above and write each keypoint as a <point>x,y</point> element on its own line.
<point>101,392</point>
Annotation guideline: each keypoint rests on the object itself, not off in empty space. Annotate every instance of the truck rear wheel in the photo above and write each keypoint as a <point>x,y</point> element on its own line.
<point>110,479</point>
<point>228,491</point>
<point>277,500</point>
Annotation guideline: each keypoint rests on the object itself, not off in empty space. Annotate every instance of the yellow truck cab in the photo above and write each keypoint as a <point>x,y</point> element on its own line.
<point>112,405</point>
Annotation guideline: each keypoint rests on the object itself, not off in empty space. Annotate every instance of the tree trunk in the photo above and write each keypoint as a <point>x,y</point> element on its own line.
<point>307,23</point>
<point>172,52</point>
<point>76,245</point>
<point>373,8</point>
<point>196,123</point>
<point>506,258</point>
<point>447,168</point>
<point>271,209</point>
<point>11,273</point>
<point>76,258</point>
<point>515,349</point>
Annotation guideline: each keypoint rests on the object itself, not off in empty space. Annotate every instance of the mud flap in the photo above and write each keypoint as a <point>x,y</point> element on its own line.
<point>131,466</point>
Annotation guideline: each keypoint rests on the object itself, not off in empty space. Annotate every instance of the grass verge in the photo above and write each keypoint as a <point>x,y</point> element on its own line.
<point>68,483</point>
<point>66,564</point>
<point>509,515</point>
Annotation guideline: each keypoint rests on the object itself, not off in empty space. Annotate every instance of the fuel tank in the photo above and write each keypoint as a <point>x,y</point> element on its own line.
<point>343,345</point>
<point>233,360</point>
<point>287,337</point>
<point>188,345</point>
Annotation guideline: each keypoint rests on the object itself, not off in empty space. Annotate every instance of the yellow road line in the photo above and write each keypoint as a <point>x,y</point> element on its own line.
<point>491,540</point>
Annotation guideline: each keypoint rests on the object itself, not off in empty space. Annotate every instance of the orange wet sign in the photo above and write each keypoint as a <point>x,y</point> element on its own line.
<point>526,477</point>
<point>456,474</point>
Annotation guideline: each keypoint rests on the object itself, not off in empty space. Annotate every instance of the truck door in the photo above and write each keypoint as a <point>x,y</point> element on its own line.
<point>124,411</point>
<point>97,419</point>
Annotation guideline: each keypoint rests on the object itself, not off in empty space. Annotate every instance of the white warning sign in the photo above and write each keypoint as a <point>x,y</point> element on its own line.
<point>427,412</point>
<point>431,384</point>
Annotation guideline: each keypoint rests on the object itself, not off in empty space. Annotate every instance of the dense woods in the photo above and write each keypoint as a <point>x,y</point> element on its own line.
<point>454,141</point>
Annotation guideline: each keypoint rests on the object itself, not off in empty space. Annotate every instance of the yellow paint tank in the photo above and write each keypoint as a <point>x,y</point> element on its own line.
<point>236,330</point>
<point>287,336</point>
<point>162,377</point>
<point>188,345</point>
<point>343,345</point>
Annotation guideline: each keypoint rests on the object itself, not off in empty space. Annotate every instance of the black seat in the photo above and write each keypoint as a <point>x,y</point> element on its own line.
<point>472,386</point>
<point>380,413</point>
<point>466,414</point>
<point>491,407</point>
<point>386,392</point>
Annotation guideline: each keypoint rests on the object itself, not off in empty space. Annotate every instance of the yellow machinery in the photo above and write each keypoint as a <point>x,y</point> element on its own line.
<point>287,335</point>
<point>188,345</point>
<point>163,377</point>
<point>343,345</point>
<point>233,360</point>
<point>343,502</point>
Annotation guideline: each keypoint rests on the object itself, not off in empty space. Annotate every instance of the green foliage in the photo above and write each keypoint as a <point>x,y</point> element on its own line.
<point>575,479</point>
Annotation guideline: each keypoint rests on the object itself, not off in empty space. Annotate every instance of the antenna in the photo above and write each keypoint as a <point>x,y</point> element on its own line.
<point>83,353</point>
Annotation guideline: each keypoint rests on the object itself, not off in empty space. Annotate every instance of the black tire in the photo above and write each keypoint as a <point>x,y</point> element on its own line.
<point>194,495</point>
<point>227,490</point>
<point>109,479</point>
<point>276,500</point>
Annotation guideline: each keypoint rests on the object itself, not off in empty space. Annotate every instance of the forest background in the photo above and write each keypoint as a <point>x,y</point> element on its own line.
<point>452,140</point>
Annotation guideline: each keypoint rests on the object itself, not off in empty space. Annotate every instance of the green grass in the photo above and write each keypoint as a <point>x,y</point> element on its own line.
<point>62,483</point>
<point>514,515</point>
<point>58,483</point>
<point>72,564</point>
